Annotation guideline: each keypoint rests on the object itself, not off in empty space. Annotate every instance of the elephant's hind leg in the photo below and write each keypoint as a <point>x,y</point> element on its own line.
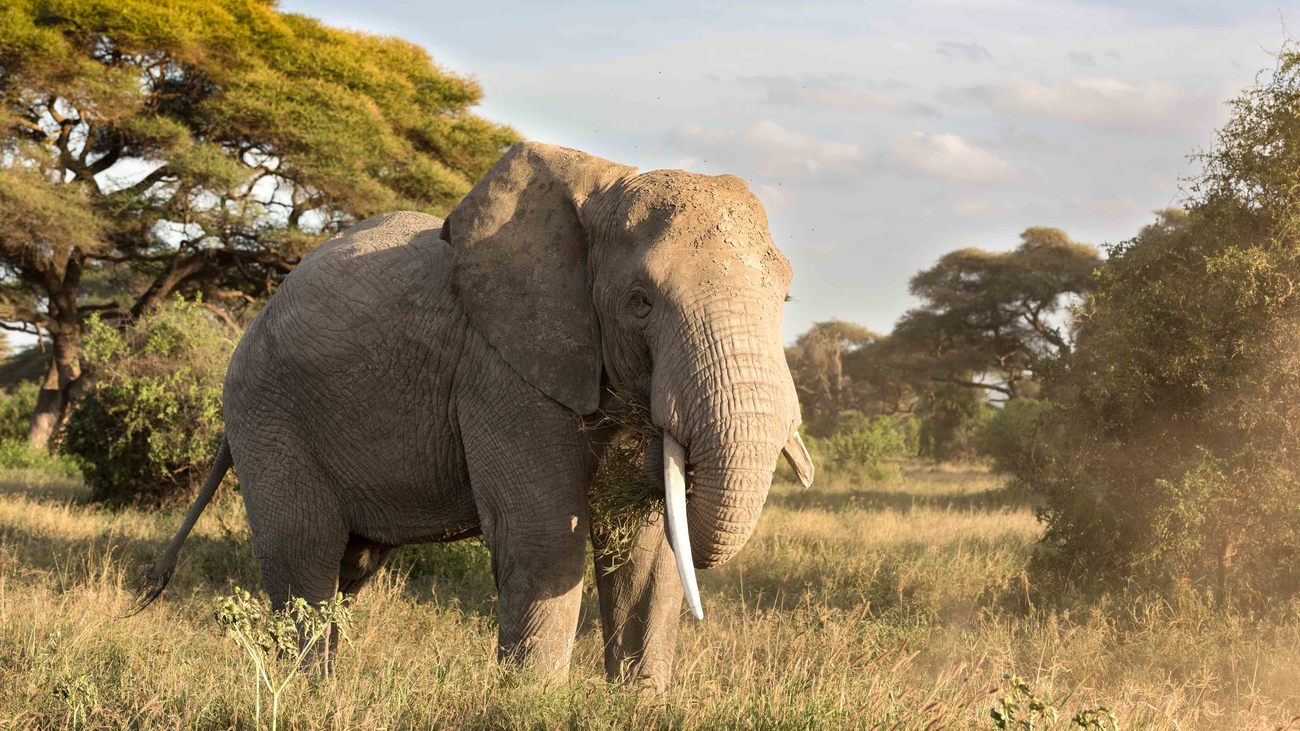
<point>300,540</point>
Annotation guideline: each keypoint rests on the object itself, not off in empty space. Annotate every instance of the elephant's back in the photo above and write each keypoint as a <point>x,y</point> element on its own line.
<point>360,289</point>
<point>351,363</point>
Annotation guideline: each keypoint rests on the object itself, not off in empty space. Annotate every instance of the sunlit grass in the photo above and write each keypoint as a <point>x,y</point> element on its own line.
<point>898,604</point>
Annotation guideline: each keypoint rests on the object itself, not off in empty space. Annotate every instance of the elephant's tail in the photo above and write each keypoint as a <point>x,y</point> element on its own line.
<point>153,581</point>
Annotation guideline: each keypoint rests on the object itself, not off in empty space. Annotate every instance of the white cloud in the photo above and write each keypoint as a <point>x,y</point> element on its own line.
<point>967,207</point>
<point>769,147</point>
<point>949,157</point>
<point>1094,101</point>
<point>968,52</point>
<point>774,197</point>
<point>1082,58</point>
<point>830,93</point>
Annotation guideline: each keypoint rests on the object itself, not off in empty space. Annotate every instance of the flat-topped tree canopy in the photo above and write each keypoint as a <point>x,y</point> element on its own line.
<point>206,145</point>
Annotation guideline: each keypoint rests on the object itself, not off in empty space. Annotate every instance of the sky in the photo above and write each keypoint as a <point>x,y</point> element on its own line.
<point>880,135</point>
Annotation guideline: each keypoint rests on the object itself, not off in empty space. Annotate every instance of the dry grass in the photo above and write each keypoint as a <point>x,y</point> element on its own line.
<point>898,604</point>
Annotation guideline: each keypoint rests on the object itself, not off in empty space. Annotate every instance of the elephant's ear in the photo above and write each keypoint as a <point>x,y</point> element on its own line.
<point>520,266</point>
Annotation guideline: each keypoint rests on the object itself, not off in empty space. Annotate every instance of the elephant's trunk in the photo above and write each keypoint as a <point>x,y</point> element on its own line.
<point>734,408</point>
<point>729,480</point>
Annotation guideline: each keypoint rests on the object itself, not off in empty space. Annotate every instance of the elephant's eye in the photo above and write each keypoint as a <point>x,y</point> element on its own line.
<point>639,304</point>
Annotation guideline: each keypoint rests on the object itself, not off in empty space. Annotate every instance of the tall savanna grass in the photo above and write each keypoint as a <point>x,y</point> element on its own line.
<point>895,604</point>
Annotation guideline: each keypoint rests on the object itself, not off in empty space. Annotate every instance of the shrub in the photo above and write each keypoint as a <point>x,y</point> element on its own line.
<point>858,446</point>
<point>149,423</point>
<point>950,419</point>
<point>1168,458</point>
<point>1009,437</point>
<point>16,407</point>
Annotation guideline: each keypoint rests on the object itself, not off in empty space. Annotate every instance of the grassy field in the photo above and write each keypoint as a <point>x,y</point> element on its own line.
<point>896,604</point>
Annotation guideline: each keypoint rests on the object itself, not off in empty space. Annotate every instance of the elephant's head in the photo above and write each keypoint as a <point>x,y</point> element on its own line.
<point>666,285</point>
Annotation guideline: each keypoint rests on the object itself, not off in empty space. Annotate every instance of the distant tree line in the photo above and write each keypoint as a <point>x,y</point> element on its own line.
<point>987,322</point>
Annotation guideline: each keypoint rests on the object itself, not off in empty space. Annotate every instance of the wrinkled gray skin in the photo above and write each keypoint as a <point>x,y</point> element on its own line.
<point>413,383</point>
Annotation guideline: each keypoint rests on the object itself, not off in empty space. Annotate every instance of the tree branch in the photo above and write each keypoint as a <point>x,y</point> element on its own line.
<point>1005,390</point>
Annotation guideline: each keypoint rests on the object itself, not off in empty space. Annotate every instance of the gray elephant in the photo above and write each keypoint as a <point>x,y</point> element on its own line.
<point>415,380</point>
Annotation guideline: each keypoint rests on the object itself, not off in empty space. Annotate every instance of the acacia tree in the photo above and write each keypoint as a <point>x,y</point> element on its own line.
<point>817,363</point>
<point>987,318</point>
<point>202,147</point>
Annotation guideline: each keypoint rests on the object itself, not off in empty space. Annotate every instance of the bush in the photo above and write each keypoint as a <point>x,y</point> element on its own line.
<point>149,423</point>
<point>858,446</point>
<point>16,408</point>
<point>951,419</point>
<point>1010,436</point>
<point>1169,455</point>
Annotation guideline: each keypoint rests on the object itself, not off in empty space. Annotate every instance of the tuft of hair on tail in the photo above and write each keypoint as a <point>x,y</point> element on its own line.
<point>150,585</point>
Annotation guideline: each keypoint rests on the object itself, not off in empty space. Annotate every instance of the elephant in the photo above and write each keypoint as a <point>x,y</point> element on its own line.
<point>417,380</point>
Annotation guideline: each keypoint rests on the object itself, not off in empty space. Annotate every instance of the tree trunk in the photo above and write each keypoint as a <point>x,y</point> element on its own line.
<point>64,376</point>
<point>58,391</point>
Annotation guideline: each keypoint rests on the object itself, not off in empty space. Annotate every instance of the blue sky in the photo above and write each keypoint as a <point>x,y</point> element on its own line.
<point>878,135</point>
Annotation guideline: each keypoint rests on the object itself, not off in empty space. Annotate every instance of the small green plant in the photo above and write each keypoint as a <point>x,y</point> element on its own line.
<point>1095,719</point>
<point>79,695</point>
<point>1021,709</point>
<point>280,644</point>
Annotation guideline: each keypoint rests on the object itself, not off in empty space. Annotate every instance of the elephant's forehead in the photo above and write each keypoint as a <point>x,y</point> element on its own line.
<point>755,267</point>
<point>694,210</point>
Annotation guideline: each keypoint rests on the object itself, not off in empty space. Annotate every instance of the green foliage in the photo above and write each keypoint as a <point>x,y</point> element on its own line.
<point>16,454</point>
<point>1021,709</point>
<point>280,643</point>
<point>1010,436</point>
<point>951,417</point>
<point>859,446</point>
<point>16,407</point>
<point>147,427</point>
<point>1169,456</point>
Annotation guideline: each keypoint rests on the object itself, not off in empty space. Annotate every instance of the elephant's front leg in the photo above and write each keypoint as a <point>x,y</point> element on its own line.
<point>529,472</point>
<point>640,608</point>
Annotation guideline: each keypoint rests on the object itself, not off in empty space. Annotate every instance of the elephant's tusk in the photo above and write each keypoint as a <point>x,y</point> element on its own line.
<point>678,537</point>
<point>797,455</point>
